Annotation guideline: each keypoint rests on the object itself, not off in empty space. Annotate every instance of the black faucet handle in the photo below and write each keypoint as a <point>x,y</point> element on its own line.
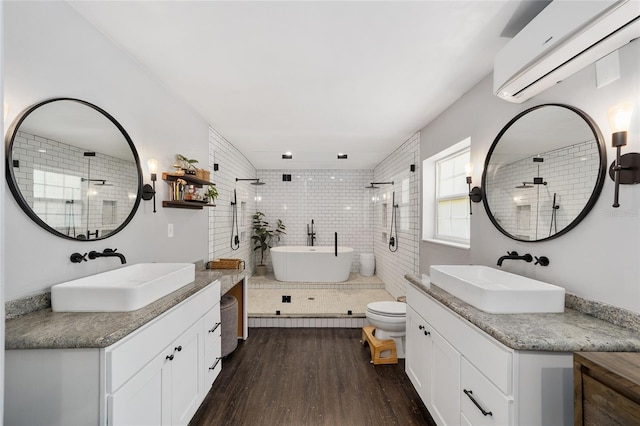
<point>108,250</point>
<point>78,258</point>
<point>542,260</point>
<point>512,253</point>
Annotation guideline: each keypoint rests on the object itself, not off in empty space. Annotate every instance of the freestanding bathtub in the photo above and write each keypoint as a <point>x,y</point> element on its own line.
<point>311,264</point>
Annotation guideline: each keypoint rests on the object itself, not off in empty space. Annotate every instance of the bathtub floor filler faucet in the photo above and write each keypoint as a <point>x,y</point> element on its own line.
<point>311,234</point>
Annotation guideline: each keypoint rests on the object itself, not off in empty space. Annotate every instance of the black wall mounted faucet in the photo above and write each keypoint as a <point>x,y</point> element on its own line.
<point>107,253</point>
<point>515,256</point>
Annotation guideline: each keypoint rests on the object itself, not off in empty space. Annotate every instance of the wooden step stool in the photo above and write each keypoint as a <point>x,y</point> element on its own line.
<point>377,346</point>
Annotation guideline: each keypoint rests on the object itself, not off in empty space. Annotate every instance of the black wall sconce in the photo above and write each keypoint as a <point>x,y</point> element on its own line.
<point>475,193</point>
<point>148,191</point>
<point>625,170</point>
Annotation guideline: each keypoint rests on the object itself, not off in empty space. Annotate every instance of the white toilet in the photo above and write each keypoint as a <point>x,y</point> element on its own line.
<point>389,319</point>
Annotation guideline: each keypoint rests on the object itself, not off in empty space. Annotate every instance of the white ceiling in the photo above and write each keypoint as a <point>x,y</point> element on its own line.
<point>314,78</point>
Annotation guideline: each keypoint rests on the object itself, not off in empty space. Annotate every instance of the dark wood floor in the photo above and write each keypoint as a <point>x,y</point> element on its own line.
<point>309,376</point>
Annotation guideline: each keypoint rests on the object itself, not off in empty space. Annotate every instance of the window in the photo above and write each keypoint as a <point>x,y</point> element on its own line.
<point>54,199</point>
<point>445,215</point>
<point>452,202</point>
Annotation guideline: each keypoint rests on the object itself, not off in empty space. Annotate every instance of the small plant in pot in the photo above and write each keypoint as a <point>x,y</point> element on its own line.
<point>263,236</point>
<point>211,194</point>
<point>187,164</point>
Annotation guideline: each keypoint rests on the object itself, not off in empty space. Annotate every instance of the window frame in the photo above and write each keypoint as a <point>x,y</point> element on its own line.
<point>431,197</point>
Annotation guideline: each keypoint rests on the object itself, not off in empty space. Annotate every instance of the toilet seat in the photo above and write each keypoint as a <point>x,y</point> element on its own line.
<point>388,309</point>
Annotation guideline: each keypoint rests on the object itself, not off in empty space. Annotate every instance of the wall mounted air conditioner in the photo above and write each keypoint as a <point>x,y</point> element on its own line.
<point>565,37</point>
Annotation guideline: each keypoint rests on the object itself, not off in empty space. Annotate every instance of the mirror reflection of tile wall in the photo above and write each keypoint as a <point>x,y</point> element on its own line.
<point>527,213</point>
<point>52,177</point>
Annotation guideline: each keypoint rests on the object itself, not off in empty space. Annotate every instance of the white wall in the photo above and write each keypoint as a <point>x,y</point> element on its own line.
<point>50,51</point>
<point>2,225</point>
<point>600,258</point>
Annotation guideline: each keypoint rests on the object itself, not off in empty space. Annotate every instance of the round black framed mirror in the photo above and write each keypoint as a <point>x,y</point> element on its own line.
<point>73,169</point>
<point>543,172</point>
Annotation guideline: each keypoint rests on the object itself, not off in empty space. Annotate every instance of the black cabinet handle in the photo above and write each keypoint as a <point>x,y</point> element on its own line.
<point>469,393</point>
<point>215,327</point>
<point>169,357</point>
<point>213,367</point>
<point>177,348</point>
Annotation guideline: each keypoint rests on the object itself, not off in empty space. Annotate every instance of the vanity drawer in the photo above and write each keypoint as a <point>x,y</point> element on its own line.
<point>487,354</point>
<point>488,398</point>
<point>132,353</point>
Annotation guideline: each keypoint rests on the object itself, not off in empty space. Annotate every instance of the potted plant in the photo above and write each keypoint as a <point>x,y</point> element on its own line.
<point>187,164</point>
<point>211,194</point>
<point>262,237</point>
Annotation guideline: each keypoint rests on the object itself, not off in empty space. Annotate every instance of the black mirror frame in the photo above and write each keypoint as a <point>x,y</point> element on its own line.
<point>17,194</point>
<point>596,190</point>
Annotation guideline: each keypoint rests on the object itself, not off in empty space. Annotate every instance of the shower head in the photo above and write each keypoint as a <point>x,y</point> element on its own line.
<point>257,181</point>
<point>524,185</point>
<point>373,184</point>
<point>99,182</point>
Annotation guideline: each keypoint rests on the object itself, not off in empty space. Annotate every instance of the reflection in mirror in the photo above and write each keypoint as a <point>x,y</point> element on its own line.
<point>73,169</point>
<point>543,172</point>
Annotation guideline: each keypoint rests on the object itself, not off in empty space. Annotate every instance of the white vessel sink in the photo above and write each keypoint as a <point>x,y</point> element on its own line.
<point>498,292</point>
<point>124,289</point>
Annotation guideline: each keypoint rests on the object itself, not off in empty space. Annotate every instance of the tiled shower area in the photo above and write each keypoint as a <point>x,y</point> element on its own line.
<point>337,201</point>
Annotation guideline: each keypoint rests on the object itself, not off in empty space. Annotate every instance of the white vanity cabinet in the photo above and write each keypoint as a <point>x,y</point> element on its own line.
<point>157,375</point>
<point>433,366</point>
<point>464,376</point>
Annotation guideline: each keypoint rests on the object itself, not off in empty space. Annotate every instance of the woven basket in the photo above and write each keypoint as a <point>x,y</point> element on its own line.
<point>225,264</point>
<point>203,174</point>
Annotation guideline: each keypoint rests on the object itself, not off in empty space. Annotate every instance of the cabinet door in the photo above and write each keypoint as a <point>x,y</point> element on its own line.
<point>187,376</point>
<point>445,381</point>
<point>139,401</point>
<point>418,354</point>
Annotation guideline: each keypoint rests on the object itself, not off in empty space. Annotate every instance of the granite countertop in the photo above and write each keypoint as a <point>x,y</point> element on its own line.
<point>45,329</point>
<point>571,331</point>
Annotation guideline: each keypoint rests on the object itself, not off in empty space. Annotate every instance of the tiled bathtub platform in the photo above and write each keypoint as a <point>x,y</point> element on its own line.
<point>312,304</point>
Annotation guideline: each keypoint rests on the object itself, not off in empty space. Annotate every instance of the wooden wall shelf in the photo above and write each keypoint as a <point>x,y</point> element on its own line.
<point>194,205</point>
<point>187,204</point>
<point>190,179</point>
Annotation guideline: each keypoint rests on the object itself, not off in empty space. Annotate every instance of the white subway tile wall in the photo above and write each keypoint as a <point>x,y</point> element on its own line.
<point>336,201</point>
<point>292,322</point>
<point>570,174</point>
<point>391,267</point>
<point>231,165</point>
<point>54,180</point>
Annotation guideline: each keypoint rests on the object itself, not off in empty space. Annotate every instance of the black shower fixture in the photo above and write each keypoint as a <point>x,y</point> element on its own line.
<point>342,156</point>
<point>373,184</point>
<point>256,181</point>
<point>536,180</point>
